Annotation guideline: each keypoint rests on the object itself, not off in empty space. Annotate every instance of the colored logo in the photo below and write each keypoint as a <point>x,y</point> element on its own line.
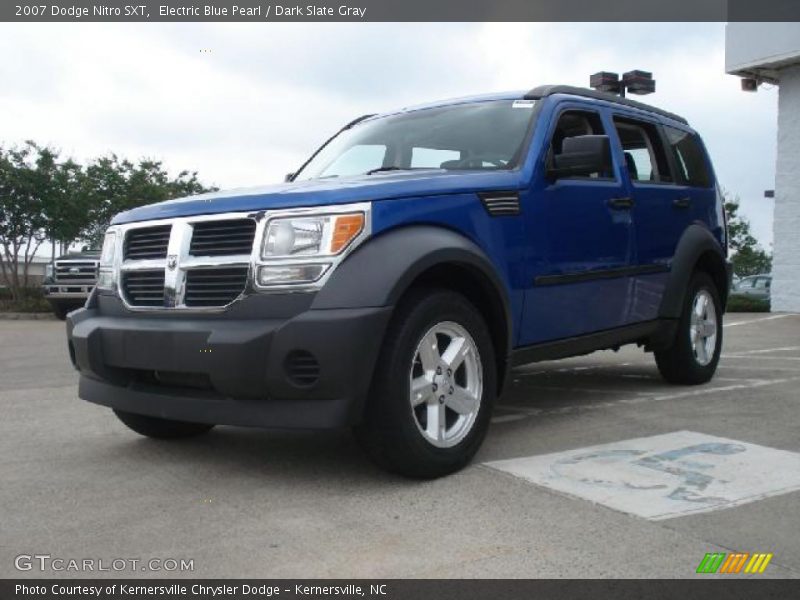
<point>735,562</point>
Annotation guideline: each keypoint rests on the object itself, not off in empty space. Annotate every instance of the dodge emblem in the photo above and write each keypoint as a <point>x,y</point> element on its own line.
<point>172,261</point>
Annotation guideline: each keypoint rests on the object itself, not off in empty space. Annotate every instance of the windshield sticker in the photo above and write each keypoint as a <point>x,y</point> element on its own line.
<point>523,103</point>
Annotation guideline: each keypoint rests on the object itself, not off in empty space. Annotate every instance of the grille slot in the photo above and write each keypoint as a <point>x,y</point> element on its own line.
<point>144,288</point>
<point>501,204</point>
<point>66,271</point>
<point>223,238</point>
<point>214,287</point>
<point>147,242</point>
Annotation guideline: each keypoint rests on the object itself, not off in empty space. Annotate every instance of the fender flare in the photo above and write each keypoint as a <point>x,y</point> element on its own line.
<point>695,244</point>
<point>381,270</point>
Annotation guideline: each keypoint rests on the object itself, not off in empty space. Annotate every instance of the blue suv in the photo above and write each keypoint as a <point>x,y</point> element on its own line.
<point>396,278</point>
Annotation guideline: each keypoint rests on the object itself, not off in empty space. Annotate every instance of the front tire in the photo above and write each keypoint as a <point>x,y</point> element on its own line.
<point>693,357</point>
<point>434,387</point>
<point>62,309</point>
<point>163,429</point>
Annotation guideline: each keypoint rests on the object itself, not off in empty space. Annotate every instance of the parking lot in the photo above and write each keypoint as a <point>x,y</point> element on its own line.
<point>75,483</point>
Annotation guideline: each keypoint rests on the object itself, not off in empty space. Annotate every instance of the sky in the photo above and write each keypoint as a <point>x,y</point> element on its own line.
<point>244,104</point>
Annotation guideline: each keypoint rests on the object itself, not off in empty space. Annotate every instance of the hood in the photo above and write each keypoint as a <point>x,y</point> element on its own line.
<point>320,192</point>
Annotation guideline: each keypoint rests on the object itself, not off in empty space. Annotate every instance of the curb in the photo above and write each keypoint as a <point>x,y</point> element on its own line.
<point>17,316</point>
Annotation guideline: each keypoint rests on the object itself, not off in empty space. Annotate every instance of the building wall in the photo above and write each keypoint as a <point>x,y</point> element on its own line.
<point>786,224</point>
<point>760,48</point>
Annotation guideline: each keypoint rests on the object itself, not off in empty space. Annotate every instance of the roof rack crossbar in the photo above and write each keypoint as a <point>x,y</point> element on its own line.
<point>548,90</point>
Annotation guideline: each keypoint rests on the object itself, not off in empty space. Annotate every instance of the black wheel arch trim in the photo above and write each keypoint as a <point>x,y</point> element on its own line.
<point>697,244</point>
<point>380,271</point>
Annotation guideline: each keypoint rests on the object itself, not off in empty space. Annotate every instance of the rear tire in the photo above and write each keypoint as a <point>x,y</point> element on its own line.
<point>693,357</point>
<point>438,429</point>
<point>163,429</point>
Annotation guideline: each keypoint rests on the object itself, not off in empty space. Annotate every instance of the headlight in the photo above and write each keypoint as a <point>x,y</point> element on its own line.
<point>109,251</point>
<point>302,247</point>
<point>49,271</point>
<point>325,235</point>
<point>106,274</point>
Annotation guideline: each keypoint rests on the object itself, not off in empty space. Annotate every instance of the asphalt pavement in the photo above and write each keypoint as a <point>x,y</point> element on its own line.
<point>593,467</point>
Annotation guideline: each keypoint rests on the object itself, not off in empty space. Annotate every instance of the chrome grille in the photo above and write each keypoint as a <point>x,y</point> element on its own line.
<point>76,270</point>
<point>144,288</point>
<point>223,238</point>
<point>214,287</point>
<point>147,242</point>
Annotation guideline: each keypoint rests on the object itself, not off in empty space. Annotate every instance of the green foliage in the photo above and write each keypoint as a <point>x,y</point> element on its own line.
<point>44,198</point>
<point>29,300</point>
<point>748,257</point>
<point>747,304</point>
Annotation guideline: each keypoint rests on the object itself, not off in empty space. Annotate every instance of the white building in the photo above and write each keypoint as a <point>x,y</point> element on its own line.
<point>770,52</point>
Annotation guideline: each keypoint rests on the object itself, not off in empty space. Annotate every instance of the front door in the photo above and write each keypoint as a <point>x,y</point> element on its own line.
<point>582,244</point>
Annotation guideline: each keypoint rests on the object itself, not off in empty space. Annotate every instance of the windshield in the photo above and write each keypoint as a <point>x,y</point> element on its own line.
<point>476,136</point>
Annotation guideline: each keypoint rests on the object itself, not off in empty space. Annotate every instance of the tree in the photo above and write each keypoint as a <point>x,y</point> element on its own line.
<point>747,256</point>
<point>23,190</point>
<point>45,198</point>
<point>113,185</point>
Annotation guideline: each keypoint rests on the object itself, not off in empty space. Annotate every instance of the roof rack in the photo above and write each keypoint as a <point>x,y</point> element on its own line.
<point>548,90</point>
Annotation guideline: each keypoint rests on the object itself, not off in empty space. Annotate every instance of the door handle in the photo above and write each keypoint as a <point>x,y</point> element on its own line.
<point>682,202</point>
<point>621,203</point>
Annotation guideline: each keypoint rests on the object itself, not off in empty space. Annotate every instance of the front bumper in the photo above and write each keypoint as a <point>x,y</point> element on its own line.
<point>72,291</point>
<point>309,370</point>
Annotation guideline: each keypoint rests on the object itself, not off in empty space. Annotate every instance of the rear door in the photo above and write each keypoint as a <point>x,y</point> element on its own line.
<point>581,241</point>
<point>663,208</point>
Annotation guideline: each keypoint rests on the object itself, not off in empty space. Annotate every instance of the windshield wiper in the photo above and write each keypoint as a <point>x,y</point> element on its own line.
<point>381,169</point>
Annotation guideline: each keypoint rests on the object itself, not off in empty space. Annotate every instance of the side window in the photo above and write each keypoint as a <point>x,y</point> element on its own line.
<point>432,157</point>
<point>644,153</point>
<point>357,159</point>
<point>761,283</point>
<point>573,123</point>
<point>689,157</point>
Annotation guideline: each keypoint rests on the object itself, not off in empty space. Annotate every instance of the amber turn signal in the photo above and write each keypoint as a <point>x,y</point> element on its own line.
<point>345,229</point>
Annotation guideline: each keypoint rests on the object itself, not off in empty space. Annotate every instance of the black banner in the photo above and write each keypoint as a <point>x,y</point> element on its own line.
<point>433,589</point>
<point>400,10</point>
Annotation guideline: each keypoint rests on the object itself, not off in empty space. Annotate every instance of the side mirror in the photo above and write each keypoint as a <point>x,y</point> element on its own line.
<point>288,178</point>
<point>581,156</point>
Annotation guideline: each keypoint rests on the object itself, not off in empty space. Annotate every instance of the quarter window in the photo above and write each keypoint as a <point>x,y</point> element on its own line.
<point>689,157</point>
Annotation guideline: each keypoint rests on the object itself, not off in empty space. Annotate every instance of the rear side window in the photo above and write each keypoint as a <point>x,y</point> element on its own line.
<point>644,152</point>
<point>689,158</point>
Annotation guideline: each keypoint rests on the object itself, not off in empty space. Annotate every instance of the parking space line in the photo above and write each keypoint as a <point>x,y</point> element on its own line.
<point>577,369</point>
<point>769,350</point>
<point>584,390</point>
<point>740,368</point>
<point>641,399</point>
<point>751,357</point>
<point>750,321</point>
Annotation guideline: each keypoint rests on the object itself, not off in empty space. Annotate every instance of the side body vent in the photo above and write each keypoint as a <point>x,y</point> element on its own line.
<point>501,204</point>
